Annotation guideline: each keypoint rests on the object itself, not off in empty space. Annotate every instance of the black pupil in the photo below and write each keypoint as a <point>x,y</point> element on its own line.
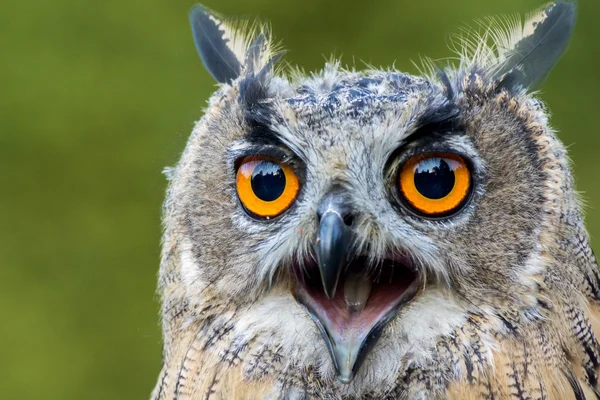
<point>268,181</point>
<point>434,178</point>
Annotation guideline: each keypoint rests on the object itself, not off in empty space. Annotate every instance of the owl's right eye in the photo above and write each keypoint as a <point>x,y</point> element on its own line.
<point>266,187</point>
<point>435,184</point>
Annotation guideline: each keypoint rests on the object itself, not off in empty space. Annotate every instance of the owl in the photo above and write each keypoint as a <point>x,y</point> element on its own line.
<point>372,234</point>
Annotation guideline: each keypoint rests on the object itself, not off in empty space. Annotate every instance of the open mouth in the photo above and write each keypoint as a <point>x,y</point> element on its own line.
<point>352,312</point>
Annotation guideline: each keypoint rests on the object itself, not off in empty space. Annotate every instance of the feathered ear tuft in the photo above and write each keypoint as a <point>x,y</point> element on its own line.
<point>215,44</point>
<point>227,49</point>
<point>517,54</point>
<point>542,41</point>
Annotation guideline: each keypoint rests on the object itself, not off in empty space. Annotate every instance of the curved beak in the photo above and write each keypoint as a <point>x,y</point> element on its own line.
<point>348,307</point>
<point>332,247</point>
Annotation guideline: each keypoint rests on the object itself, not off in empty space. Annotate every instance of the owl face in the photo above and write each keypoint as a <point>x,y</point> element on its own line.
<point>357,217</point>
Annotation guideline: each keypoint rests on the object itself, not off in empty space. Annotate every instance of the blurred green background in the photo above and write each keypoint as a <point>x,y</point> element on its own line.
<point>97,97</point>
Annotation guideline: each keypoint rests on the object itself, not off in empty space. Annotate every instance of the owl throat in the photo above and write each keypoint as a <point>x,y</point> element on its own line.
<point>352,313</point>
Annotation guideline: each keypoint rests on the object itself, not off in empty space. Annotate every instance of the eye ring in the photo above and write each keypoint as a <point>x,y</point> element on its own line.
<point>435,184</point>
<point>266,186</point>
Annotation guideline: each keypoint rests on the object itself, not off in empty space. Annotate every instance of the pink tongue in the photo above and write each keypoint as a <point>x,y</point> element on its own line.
<point>357,307</point>
<point>357,289</point>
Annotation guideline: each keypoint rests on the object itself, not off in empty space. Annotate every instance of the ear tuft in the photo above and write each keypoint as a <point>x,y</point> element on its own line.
<point>213,42</point>
<point>541,43</point>
<point>519,54</point>
<point>229,49</point>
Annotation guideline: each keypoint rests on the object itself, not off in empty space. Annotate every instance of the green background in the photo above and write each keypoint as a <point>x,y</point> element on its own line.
<point>97,97</point>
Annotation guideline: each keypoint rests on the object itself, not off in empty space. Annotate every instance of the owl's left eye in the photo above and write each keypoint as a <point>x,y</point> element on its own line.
<point>435,184</point>
<point>266,187</point>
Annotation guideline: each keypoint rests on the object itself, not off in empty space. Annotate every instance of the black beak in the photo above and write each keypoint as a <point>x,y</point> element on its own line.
<point>334,241</point>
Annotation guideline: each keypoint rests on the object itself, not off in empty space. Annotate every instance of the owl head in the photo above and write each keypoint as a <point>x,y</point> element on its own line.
<point>352,220</point>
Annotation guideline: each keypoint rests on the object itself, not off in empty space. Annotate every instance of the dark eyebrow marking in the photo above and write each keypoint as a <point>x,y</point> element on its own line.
<point>259,131</point>
<point>258,112</point>
<point>439,115</point>
<point>261,150</point>
<point>440,118</point>
<point>436,121</point>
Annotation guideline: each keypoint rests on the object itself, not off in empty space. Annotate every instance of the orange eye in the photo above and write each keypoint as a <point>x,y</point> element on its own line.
<point>266,186</point>
<point>435,184</point>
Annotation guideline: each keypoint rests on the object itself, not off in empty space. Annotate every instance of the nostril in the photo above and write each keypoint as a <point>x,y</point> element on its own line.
<point>319,216</point>
<point>348,219</point>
